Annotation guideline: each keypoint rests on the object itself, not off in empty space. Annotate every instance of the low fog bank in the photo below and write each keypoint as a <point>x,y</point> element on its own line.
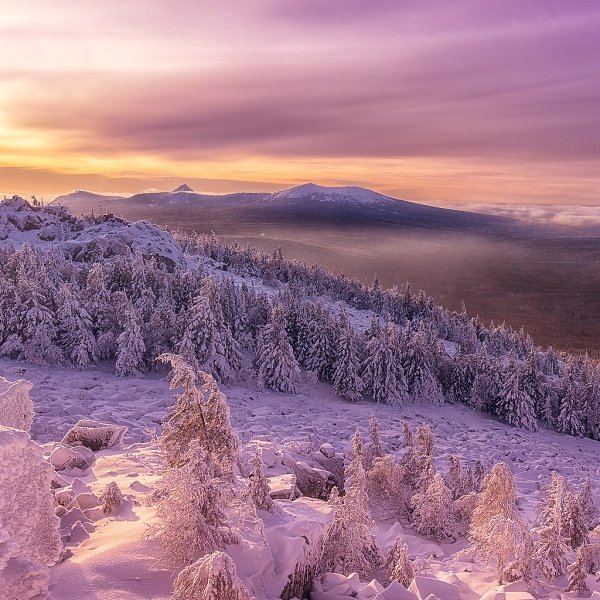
<point>562,217</point>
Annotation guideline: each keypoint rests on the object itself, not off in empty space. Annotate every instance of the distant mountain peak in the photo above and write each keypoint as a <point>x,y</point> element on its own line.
<point>184,187</point>
<point>326,193</point>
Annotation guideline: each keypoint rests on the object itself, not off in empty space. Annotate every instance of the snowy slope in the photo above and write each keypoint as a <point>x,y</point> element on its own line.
<point>117,563</point>
<point>22,223</point>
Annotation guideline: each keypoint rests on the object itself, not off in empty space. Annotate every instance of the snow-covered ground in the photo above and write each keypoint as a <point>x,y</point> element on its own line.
<point>112,560</point>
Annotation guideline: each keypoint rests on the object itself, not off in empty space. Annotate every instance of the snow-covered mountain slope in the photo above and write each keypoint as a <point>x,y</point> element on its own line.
<point>84,238</point>
<point>346,194</point>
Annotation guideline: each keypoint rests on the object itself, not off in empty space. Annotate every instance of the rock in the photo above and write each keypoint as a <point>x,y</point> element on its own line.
<point>424,587</point>
<point>71,517</point>
<point>16,407</point>
<point>313,482</point>
<point>283,487</point>
<point>327,450</point>
<point>95,435</point>
<point>268,457</point>
<point>29,528</point>
<point>396,591</point>
<point>78,533</point>
<point>301,535</point>
<point>85,501</point>
<point>65,457</point>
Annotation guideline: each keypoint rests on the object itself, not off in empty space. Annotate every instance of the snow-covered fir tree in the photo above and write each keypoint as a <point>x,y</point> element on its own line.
<point>214,348</point>
<point>571,398</point>
<point>578,572</point>
<point>320,354</point>
<point>347,382</point>
<point>75,330</point>
<point>374,449</point>
<point>351,545</point>
<point>514,404</point>
<point>382,370</point>
<point>258,486</point>
<point>431,511</point>
<point>211,577</point>
<point>589,510</point>
<point>130,347</point>
<point>551,548</point>
<point>200,415</point>
<point>575,530</point>
<point>399,566</point>
<point>192,519</point>
<point>422,382</point>
<point>276,366</point>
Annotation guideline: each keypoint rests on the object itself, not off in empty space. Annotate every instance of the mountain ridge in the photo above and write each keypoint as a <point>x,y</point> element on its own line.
<point>306,203</point>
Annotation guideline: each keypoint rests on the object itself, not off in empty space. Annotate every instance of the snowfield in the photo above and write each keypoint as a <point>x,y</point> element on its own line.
<point>111,560</point>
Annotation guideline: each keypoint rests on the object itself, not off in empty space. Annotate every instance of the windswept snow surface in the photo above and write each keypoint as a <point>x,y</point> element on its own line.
<point>116,563</point>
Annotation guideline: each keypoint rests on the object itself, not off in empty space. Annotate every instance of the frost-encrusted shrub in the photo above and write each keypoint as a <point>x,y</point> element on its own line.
<point>387,486</point>
<point>432,515</point>
<point>29,535</point>
<point>212,577</point>
<point>398,565</point>
<point>16,407</point>
<point>497,532</point>
<point>111,498</point>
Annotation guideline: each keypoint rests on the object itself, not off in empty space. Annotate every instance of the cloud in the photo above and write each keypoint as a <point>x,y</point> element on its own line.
<point>183,82</point>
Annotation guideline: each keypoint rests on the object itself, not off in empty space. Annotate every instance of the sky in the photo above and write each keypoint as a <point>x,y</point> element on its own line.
<point>476,101</point>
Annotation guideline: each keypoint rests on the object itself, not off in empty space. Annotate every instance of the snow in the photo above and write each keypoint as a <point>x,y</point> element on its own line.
<point>22,223</point>
<point>29,537</point>
<point>117,544</point>
<point>347,194</point>
<point>108,425</point>
<point>16,408</point>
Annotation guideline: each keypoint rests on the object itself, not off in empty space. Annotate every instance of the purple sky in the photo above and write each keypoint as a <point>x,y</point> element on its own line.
<point>470,100</point>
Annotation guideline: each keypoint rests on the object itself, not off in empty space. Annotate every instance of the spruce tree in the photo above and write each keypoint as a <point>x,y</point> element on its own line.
<point>200,415</point>
<point>351,545</point>
<point>347,382</point>
<point>514,405</point>
<point>431,511</point>
<point>577,573</point>
<point>399,567</point>
<point>551,548</point>
<point>258,486</point>
<point>276,365</point>
<point>130,348</point>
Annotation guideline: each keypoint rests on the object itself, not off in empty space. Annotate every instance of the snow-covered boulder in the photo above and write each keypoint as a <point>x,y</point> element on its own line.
<point>334,586</point>
<point>297,542</point>
<point>67,457</point>
<point>283,487</point>
<point>95,435</point>
<point>312,481</point>
<point>396,591</point>
<point>424,587</point>
<point>16,407</point>
<point>29,529</point>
